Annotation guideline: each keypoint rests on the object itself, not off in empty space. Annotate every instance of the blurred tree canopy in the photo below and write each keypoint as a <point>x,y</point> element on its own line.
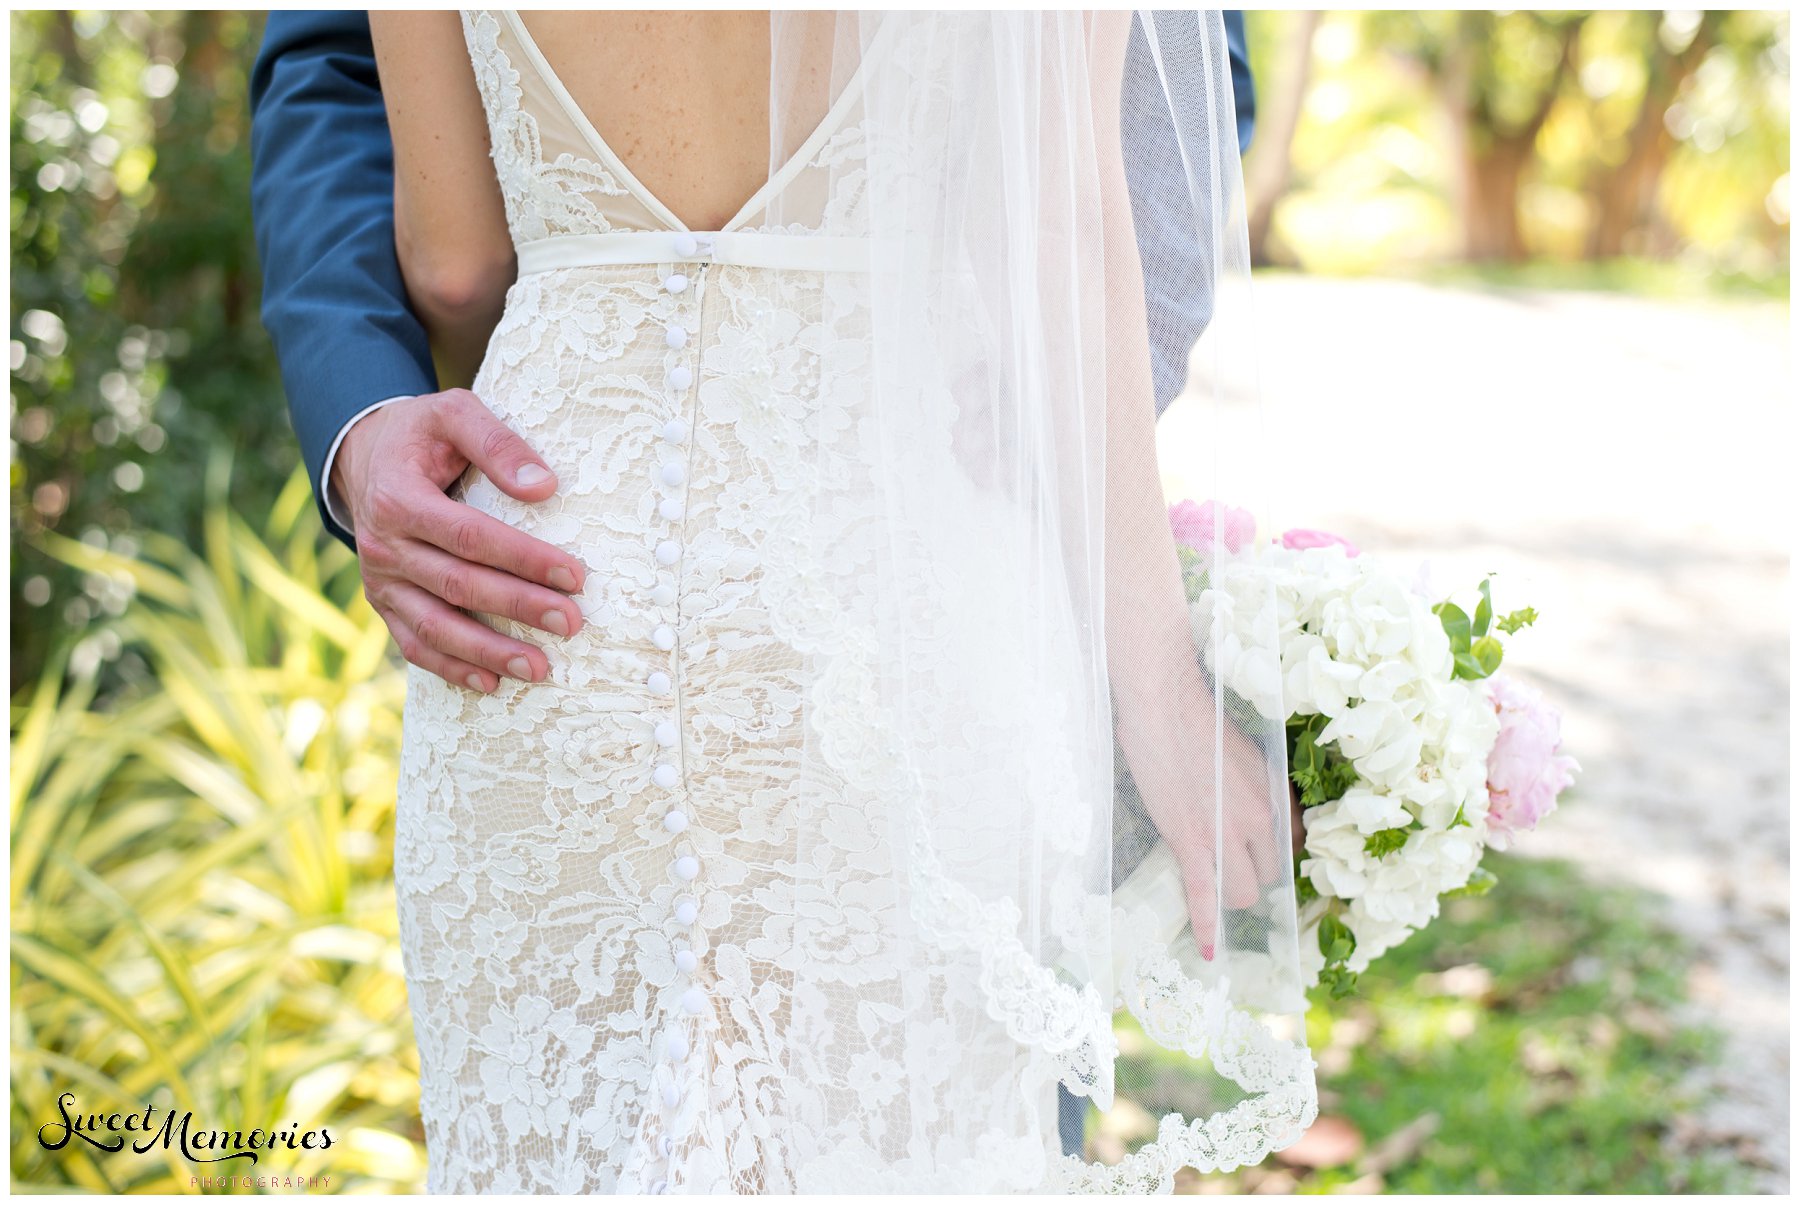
<point>1410,137</point>
<point>135,342</point>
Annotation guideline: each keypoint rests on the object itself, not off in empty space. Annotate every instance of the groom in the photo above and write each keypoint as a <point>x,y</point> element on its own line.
<point>373,426</point>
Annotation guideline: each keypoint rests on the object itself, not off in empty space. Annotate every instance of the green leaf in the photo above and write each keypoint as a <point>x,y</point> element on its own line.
<point>1336,941</point>
<point>1480,883</point>
<point>1484,610</point>
<point>1524,617</point>
<point>1487,653</point>
<point>1194,577</point>
<point>1456,625</point>
<point>1304,891</point>
<point>1338,982</point>
<point>1385,842</point>
<point>1459,820</point>
<point>1321,773</point>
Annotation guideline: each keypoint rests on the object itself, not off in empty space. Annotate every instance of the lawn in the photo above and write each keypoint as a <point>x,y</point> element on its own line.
<point>1525,1043</point>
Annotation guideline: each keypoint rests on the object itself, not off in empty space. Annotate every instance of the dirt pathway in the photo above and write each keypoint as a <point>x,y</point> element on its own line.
<point>1625,465</point>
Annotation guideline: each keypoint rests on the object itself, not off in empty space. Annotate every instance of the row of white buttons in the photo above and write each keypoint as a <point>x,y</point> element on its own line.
<point>668,552</point>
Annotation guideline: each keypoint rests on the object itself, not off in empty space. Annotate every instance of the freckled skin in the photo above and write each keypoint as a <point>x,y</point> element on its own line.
<point>683,97</point>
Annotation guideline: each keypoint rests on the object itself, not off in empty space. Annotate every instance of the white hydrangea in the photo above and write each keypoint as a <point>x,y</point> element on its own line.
<point>1319,632</point>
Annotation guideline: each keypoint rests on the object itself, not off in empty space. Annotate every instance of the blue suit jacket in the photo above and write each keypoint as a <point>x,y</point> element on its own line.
<point>322,200</point>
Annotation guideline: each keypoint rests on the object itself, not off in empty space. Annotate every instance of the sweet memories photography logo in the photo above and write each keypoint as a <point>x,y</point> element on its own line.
<point>143,1133</point>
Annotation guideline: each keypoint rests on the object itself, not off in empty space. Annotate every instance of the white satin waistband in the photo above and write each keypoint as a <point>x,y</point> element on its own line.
<point>743,248</point>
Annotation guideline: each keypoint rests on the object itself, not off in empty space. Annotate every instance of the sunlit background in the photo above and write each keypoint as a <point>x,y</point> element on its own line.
<point>1522,307</point>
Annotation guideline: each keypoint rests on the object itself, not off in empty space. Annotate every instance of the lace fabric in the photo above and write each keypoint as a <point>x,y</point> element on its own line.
<point>731,901</point>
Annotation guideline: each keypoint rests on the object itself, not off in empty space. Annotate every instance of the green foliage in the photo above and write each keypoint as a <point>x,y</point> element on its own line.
<point>1511,622</point>
<point>1387,841</point>
<point>1336,941</point>
<point>202,861</point>
<point>135,340</point>
<point>1337,982</point>
<point>1480,883</point>
<point>1476,653</point>
<point>1319,771</point>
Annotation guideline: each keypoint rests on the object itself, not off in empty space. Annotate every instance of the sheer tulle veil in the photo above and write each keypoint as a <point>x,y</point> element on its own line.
<point>1015,671</point>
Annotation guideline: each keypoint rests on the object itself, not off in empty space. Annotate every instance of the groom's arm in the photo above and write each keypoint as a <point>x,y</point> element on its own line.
<point>1175,250</point>
<point>1243,89</point>
<point>335,303</point>
<point>322,201</point>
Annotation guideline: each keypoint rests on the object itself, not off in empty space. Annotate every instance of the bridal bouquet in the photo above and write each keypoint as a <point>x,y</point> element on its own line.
<point>1409,755</point>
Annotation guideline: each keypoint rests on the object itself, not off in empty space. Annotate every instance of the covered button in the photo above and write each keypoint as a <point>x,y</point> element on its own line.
<point>675,337</point>
<point>676,283</point>
<point>673,473</point>
<point>687,911</point>
<point>676,1047</point>
<point>662,594</point>
<point>686,961</point>
<point>686,244</point>
<point>671,509</point>
<point>693,1001</point>
<point>680,377</point>
<point>675,430</point>
<point>687,867</point>
<point>665,776</point>
<point>675,822</point>
<point>658,683</point>
<point>667,734</point>
<point>664,637</point>
<point>668,551</point>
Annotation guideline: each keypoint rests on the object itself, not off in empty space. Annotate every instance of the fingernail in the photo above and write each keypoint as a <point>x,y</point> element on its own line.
<point>1206,952</point>
<point>531,474</point>
<point>474,681</point>
<point>556,621</point>
<point>562,579</point>
<point>518,667</point>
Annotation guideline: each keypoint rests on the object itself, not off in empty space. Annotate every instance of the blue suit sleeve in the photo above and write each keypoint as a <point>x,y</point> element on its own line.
<point>1243,90</point>
<point>322,202</point>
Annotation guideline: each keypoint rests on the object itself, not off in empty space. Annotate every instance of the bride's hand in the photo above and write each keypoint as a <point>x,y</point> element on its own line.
<point>1226,845</point>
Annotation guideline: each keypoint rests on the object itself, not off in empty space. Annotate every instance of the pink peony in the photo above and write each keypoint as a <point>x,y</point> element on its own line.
<point>1527,769</point>
<point>1197,524</point>
<point>1307,537</point>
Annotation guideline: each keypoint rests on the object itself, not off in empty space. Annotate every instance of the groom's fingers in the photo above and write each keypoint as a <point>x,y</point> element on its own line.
<point>477,587</point>
<point>472,535</point>
<point>451,669</point>
<point>447,632</point>
<point>491,446</point>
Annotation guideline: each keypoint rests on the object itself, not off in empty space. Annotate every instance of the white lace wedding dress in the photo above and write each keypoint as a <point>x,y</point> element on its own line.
<point>646,933</point>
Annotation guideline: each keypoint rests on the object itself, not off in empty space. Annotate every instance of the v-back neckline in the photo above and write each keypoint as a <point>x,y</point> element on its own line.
<point>771,187</point>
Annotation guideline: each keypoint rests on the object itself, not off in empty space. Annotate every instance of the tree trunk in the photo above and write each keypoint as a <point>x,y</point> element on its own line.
<point>1625,196</point>
<point>1494,160</point>
<point>1271,162</point>
<point>1491,201</point>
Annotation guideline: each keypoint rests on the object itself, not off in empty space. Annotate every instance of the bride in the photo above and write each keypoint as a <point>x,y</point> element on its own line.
<point>804,863</point>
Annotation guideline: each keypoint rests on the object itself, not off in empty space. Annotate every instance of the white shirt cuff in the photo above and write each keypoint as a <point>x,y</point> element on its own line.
<point>334,505</point>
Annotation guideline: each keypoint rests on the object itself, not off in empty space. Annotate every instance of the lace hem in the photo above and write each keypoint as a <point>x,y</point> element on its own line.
<point>1176,1011</point>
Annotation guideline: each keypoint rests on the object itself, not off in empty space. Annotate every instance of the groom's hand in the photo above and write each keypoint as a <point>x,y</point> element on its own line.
<point>426,557</point>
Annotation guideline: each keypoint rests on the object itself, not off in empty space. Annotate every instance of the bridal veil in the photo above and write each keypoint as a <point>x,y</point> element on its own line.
<point>1011,668</point>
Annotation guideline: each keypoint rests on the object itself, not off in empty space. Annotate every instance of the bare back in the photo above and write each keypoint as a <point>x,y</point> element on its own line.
<point>683,97</point>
